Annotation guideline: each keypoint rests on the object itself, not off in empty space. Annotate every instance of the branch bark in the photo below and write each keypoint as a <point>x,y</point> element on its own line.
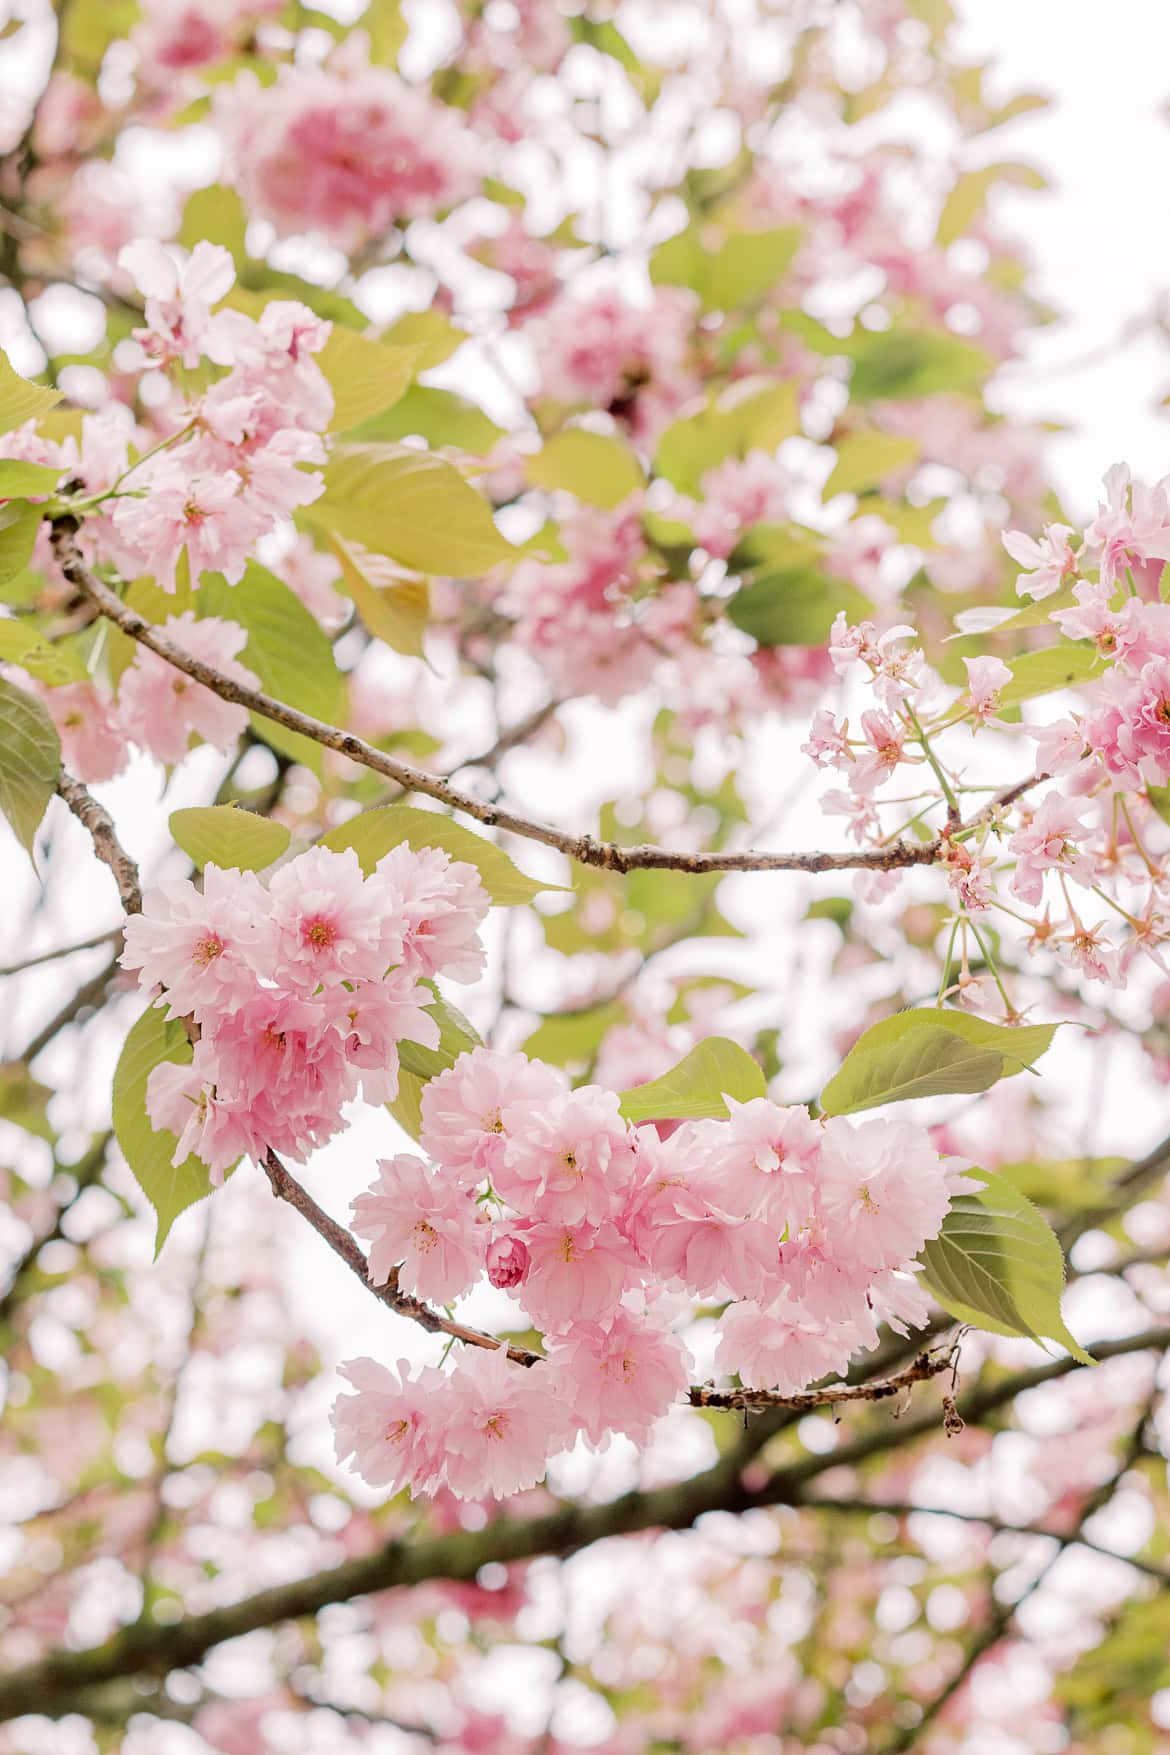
<point>606,855</point>
<point>51,1684</point>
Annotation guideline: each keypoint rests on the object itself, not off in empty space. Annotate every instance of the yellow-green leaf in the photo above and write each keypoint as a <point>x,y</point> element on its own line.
<point>20,400</point>
<point>30,760</point>
<point>227,836</point>
<point>393,608</point>
<point>410,505</point>
<point>375,832</point>
<point>996,1264</point>
<point>928,1052</point>
<point>597,468</point>
<point>366,377</point>
<point>696,1087</point>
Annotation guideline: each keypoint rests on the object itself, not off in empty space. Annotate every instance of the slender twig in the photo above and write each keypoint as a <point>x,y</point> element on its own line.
<point>607,855</point>
<point>286,1187</point>
<point>86,944</point>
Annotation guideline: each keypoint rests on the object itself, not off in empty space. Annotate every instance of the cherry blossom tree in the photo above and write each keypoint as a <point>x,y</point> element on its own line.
<point>550,724</point>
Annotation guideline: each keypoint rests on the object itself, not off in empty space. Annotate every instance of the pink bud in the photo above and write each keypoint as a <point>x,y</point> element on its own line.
<point>507,1261</point>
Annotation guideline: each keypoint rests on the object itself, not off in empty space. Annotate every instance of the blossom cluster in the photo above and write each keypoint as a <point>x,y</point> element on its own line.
<point>1093,829</point>
<point>345,150</point>
<point>300,991</point>
<point>234,451</point>
<point>805,1230</point>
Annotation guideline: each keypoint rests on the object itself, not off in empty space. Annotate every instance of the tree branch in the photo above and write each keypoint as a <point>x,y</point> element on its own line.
<point>95,818</point>
<point>50,1684</point>
<point>607,855</point>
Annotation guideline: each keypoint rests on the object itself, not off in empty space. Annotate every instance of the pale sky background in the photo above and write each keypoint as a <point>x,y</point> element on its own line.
<point>1101,249</point>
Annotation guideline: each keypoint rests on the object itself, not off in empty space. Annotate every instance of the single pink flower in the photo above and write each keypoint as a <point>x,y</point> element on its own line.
<point>415,1219</point>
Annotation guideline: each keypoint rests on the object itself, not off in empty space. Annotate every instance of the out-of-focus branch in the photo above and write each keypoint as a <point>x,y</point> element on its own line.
<point>51,1684</point>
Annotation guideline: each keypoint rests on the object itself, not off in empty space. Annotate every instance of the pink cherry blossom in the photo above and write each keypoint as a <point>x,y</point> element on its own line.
<point>437,904</point>
<point>205,516</point>
<point>575,1272</point>
<point>1049,842</point>
<point>780,1347</point>
<point>1131,527</point>
<point>619,1375</point>
<point>160,707</point>
<point>986,677</point>
<point>507,1260</point>
<point>464,1109</point>
<point>327,922</point>
<point>412,1217</point>
<point>93,743</point>
<point>346,150</point>
<point>764,1160</point>
<point>568,1156</point>
<point>392,1426</point>
<point>1050,562</point>
<point>882,1188</point>
<point>501,1423</point>
<point>206,948</point>
<point>179,296</point>
<point>373,1018</point>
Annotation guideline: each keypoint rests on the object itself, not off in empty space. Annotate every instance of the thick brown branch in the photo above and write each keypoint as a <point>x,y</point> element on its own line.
<point>100,826</point>
<point>606,855</point>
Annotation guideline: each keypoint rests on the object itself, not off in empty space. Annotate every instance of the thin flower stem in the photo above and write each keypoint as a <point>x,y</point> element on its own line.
<point>954,814</point>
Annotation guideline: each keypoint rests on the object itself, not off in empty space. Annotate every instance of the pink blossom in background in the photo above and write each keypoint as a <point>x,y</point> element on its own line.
<point>160,707</point>
<point>346,150</point>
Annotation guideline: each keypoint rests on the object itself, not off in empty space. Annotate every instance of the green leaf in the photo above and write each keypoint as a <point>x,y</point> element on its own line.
<point>996,1264</point>
<point>696,1087</point>
<point>53,663</point>
<point>375,832</point>
<point>1159,797</point>
<point>418,1065</point>
<point>366,377</point>
<point>793,608</point>
<point>393,608</point>
<point>23,1100</point>
<point>433,334</point>
<point>20,400</point>
<point>1055,667</point>
<point>968,198</point>
<point>893,365</point>
<point>30,760</point>
<point>225,835</point>
<point>746,417</point>
<point>741,270</point>
<point>215,215</point>
<point>18,478</point>
<point>928,1052</point>
<point>410,505</point>
<point>600,470</point>
<point>170,1189</point>
<point>286,648</point>
<point>562,1037</point>
<point>441,417</point>
<point>865,459</point>
<point>19,523</point>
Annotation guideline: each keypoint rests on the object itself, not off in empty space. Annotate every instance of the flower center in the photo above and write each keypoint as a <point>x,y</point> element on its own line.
<point>496,1425</point>
<point>321,934</point>
<point>425,1236</point>
<point>207,950</point>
